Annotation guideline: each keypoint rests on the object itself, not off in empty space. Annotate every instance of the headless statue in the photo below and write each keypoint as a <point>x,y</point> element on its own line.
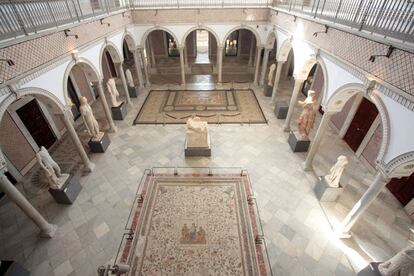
<point>307,117</point>
<point>54,175</point>
<point>336,171</point>
<point>130,80</point>
<point>270,75</point>
<point>197,133</point>
<point>113,92</point>
<point>89,119</point>
<point>401,264</point>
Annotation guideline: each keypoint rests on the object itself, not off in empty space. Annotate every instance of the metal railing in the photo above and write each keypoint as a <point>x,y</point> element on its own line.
<point>200,3</point>
<point>24,17</point>
<point>389,18</point>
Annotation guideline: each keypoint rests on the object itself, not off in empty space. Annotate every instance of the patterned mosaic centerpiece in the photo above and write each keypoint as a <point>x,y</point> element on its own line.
<point>194,224</point>
<point>213,106</point>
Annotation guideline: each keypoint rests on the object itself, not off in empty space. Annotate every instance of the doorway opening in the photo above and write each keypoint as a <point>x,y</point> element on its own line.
<point>202,42</point>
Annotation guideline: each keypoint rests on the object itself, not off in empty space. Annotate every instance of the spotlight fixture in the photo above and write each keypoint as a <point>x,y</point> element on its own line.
<point>294,18</point>
<point>102,23</point>
<point>124,15</point>
<point>67,33</point>
<point>390,50</point>
<point>315,34</point>
<point>9,61</point>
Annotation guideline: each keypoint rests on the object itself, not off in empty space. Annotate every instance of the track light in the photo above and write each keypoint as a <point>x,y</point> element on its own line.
<point>315,34</point>
<point>9,61</point>
<point>102,23</point>
<point>390,50</point>
<point>67,31</point>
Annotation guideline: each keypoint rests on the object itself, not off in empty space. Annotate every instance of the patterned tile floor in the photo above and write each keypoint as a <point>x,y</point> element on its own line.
<point>296,228</point>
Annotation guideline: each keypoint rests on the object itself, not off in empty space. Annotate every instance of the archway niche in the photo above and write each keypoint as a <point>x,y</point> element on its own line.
<point>286,80</point>
<point>200,52</point>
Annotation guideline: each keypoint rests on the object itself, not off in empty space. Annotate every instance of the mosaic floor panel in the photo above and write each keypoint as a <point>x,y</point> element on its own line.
<point>213,106</point>
<point>194,224</point>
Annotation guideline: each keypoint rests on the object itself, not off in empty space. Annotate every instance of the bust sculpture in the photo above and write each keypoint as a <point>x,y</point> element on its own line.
<point>54,175</point>
<point>197,133</point>
<point>130,80</point>
<point>113,92</point>
<point>307,117</point>
<point>336,171</point>
<point>270,75</point>
<point>89,119</point>
<point>402,264</point>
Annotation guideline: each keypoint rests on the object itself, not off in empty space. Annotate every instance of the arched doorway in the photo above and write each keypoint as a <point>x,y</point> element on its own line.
<point>286,80</point>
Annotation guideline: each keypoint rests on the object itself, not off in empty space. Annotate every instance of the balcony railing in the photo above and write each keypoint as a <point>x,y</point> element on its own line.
<point>389,18</point>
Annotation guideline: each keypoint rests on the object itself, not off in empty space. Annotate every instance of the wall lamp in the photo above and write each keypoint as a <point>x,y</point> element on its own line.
<point>124,15</point>
<point>294,18</point>
<point>9,61</point>
<point>67,33</point>
<point>390,50</point>
<point>102,23</point>
<point>315,34</point>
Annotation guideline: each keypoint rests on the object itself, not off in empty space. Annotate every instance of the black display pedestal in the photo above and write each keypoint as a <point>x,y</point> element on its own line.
<point>69,191</point>
<point>268,90</point>
<point>281,110</point>
<point>119,112</point>
<point>12,268</point>
<point>99,145</point>
<point>197,151</point>
<point>133,92</point>
<point>297,145</point>
<point>370,270</point>
<point>326,193</point>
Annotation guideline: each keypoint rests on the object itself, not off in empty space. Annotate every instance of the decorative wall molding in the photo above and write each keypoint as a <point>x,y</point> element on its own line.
<point>400,166</point>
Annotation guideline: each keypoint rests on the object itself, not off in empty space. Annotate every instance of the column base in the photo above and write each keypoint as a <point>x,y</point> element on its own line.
<point>89,168</point>
<point>268,90</point>
<point>370,270</point>
<point>133,92</point>
<point>49,232</point>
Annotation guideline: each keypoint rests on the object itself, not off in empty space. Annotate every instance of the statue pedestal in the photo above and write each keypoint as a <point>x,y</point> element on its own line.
<point>99,145</point>
<point>198,151</point>
<point>326,193</point>
<point>133,91</point>
<point>69,191</point>
<point>281,110</point>
<point>296,144</point>
<point>268,90</point>
<point>370,270</point>
<point>13,268</point>
<point>119,112</point>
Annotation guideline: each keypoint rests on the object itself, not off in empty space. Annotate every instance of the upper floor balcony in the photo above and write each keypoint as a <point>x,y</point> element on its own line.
<point>382,19</point>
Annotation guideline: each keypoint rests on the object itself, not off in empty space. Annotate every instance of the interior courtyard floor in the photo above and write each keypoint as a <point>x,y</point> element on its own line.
<point>299,237</point>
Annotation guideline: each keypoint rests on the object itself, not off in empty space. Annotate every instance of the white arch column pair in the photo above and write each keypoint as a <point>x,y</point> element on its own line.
<point>264,65</point>
<point>277,79</point>
<point>293,99</point>
<point>124,83</point>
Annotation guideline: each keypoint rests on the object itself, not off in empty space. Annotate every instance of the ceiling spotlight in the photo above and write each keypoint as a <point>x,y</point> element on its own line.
<point>389,52</point>
<point>9,61</point>
<point>67,33</point>
<point>315,34</point>
<point>102,23</point>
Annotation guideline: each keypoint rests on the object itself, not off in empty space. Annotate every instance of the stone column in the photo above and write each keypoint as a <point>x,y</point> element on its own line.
<point>256,70</point>
<point>124,83</point>
<point>317,140</point>
<point>264,66</point>
<point>145,65</point>
<point>181,49</point>
<point>359,208</point>
<point>220,64</point>
<point>277,79</point>
<point>137,61</point>
<point>185,57</point>
<point>68,121</point>
<point>47,230</point>
<point>108,114</point>
<point>251,52</point>
<point>151,50</point>
<point>293,100</point>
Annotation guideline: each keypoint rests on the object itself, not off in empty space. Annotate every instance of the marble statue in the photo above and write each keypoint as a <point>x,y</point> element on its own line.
<point>307,117</point>
<point>130,80</point>
<point>89,119</point>
<point>54,175</point>
<point>197,133</point>
<point>113,92</point>
<point>270,75</point>
<point>401,264</point>
<point>336,171</point>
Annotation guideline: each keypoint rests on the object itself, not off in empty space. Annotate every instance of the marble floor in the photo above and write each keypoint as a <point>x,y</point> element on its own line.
<point>298,234</point>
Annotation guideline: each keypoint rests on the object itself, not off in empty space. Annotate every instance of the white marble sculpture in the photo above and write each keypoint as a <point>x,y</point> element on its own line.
<point>54,175</point>
<point>197,133</point>
<point>130,80</point>
<point>89,119</point>
<point>113,92</point>
<point>307,117</point>
<point>270,75</point>
<point>336,171</point>
<point>401,264</point>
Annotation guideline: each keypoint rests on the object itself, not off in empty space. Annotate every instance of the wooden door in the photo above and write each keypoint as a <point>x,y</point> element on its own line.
<point>363,119</point>
<point>402,189</point>
<point>33,119</point>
